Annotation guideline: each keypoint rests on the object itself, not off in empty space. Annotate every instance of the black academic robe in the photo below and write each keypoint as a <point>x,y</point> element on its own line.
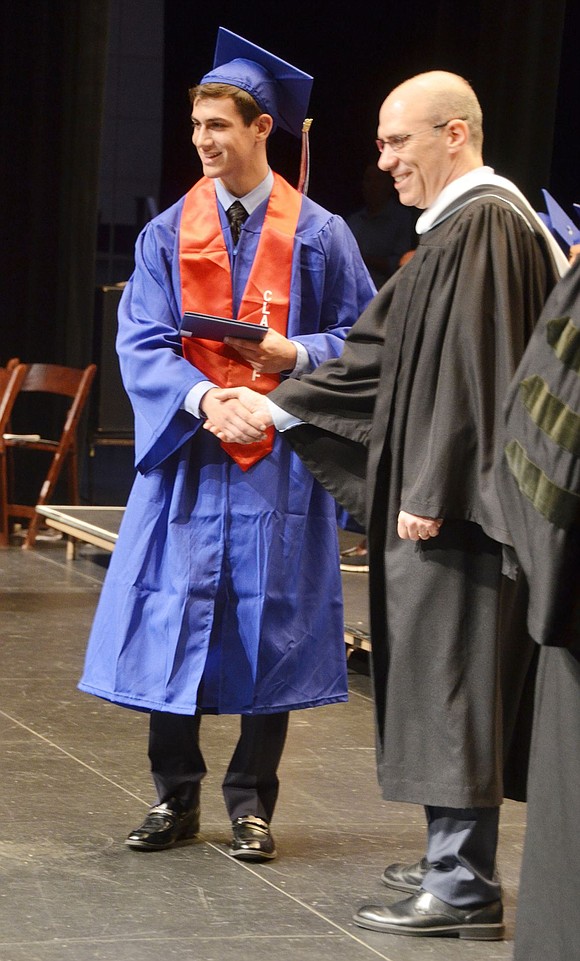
<point>540,490</point>
<point>539,470</point>
<point>406,419</point>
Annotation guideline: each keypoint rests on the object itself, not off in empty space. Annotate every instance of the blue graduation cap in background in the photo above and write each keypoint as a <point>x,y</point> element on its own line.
<point>278,88</point>
<point>560,223</point>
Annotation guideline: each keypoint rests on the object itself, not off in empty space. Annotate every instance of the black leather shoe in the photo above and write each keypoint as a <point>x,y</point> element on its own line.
<point>425,916</point>
<point>252,840</point>
<point>166,825</point>
<point>405,877</point>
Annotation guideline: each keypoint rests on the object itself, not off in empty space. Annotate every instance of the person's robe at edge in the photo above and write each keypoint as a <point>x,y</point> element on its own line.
<point>539,483</point>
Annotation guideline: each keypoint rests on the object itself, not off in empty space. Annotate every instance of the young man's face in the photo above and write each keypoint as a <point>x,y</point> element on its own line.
<point>228,149</point>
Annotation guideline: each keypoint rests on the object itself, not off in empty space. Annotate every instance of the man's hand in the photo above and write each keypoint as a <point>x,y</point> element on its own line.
<point>270,355</point>
<point>235,414</point>
<point>414,528</point>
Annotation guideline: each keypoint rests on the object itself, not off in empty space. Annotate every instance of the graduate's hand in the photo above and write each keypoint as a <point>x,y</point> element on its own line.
<point>232,419</point>
<point>271,355</point>
<point>412,527</point>
<point>253,405</point>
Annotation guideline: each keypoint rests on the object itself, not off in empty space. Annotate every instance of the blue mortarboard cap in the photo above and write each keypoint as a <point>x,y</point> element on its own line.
<point>278,88</point>
<point>561,223</point>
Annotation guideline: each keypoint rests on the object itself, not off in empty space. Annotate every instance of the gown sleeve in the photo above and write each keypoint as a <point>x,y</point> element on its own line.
<point>334,286</point>
<point>425,370</point>
<point>336,402</point>
<point>155,374</point>
<point>488,291</point>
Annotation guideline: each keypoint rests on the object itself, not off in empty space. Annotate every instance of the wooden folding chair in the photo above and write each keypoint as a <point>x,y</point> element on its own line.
<point>46,379</point>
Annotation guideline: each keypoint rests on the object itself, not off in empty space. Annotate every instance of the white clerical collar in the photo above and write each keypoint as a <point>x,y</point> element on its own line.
<point>452,192</point>
<point>250,200</point>
<point>450,197</point>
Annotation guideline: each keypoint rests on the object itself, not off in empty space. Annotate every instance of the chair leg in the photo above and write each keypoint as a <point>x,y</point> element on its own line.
<point>34,524</point>
<point>69,461</point>
<point>5,520</point>
<point>73,476</point>
<point>31,533</point>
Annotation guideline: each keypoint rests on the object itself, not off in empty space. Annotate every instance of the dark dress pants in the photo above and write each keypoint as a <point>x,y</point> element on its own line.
<point>251,782</point>
<point>461,849</point>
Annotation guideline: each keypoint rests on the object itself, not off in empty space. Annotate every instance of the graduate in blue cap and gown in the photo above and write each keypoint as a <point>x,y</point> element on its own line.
<point>223,594</point>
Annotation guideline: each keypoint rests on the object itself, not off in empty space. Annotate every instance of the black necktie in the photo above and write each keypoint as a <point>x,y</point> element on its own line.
<point>237,215</point>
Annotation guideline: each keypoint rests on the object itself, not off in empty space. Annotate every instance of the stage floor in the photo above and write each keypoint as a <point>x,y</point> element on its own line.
<point>76,780</point>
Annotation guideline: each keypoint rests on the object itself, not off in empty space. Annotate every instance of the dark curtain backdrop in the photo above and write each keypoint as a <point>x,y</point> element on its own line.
<point>521,56</point>
<point>51,96</point>
<point>510,52</point>
<point>565,179</point>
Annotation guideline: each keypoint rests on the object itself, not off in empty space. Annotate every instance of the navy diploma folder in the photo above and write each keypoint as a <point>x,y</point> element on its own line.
<point>216,328</point>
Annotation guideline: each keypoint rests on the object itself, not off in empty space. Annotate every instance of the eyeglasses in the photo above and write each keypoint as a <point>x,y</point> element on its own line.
<point>398,141</point>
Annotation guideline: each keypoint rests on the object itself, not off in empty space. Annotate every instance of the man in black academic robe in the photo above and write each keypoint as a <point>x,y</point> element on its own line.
<point>540,492</point>
<point>402,429</point>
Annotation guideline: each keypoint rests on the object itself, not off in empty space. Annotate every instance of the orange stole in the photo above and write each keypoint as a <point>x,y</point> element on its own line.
<point>206,287</point>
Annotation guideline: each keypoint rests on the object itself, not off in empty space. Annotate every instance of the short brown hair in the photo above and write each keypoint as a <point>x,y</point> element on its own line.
<point>245,104</point>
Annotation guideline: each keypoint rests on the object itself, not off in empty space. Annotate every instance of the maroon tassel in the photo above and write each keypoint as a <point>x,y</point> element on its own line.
<point>305,158</point>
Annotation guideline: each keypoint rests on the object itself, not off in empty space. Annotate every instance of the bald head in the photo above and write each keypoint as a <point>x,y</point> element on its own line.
<point>443,96</point>
<point>431,134</point>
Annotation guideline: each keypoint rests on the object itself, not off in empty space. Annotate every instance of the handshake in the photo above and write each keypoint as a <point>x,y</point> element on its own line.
<point>236,415</point>
<point>239,415</point>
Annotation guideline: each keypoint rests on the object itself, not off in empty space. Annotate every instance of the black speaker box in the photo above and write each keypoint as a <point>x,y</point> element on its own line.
<point>112,414</point>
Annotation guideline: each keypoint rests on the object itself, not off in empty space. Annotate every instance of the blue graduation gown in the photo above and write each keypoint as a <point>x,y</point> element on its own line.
<point>218,574</point>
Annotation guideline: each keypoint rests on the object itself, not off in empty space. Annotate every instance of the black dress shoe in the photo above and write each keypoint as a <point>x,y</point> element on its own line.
<point>425,916</point>
<point>252,840</point>
<point>166,825</point>
<point>405,877</point>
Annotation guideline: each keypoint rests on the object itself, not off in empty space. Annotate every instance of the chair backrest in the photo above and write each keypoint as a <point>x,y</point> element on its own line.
<point>66,383</point>
<point>54,379</point>
<point>70,382</point>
